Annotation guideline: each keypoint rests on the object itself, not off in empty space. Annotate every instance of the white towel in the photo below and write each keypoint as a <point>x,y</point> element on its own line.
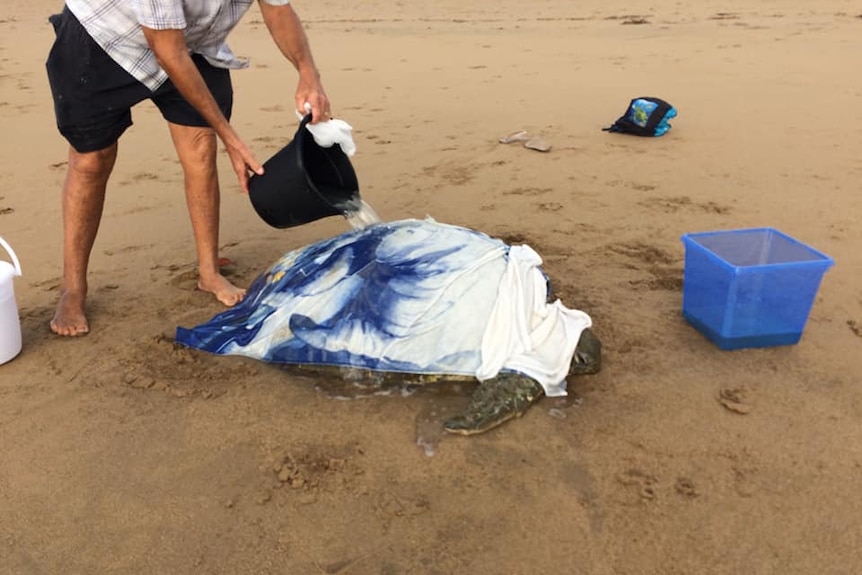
<point>524,332</point>
<point>332,132</point>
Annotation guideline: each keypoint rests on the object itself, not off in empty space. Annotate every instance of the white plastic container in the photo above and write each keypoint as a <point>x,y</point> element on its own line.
<point>10,322</point>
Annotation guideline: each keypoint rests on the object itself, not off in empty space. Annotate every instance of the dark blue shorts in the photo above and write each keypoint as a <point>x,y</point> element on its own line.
<point>93,95</point>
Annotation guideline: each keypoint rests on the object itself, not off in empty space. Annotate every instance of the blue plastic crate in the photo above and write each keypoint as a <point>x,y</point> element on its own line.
<point>750,288</point>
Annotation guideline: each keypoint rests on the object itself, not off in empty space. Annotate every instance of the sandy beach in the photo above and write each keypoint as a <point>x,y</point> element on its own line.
<point>123,453</point>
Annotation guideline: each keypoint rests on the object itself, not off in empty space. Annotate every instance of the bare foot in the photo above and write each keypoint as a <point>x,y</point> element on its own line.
<point>225,292</point>
<point>69,318</point>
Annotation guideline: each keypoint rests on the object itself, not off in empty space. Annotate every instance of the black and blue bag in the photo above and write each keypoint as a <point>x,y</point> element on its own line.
<point>645,117</point>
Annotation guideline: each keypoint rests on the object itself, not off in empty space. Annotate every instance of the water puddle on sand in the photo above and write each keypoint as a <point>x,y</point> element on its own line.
<point>359,213</point>
<point>440,401</point>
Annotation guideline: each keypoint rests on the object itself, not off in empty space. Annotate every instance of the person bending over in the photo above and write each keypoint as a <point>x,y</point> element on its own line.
<point>108,56</point>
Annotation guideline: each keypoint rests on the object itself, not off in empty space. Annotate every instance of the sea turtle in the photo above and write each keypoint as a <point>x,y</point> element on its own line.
<point>413,302</point>
<point>506,396</point>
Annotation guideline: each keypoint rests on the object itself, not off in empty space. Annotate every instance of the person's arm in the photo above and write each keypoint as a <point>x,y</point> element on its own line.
<point>287,32</point>
<point>172,54</point>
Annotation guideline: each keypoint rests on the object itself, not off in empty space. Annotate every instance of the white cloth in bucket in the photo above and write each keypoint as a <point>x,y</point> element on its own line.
<point>332,132</point>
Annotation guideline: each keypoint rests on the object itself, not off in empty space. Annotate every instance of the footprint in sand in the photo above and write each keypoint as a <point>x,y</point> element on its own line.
<point>628,19</point>
<point>527,191</point>
<point>643,482</point>
<point>550,207</point>
<point>673,204</point>
<point>668,279</point>
<point>724,16</point>
<point>140,177</point>
<point>744,481</point>
<point>734,400</point>
<point>660,264</point>
<point>643,252</point>
<point>634,21</point>
<point>188,280</point>
<point>685,487</point>
<point>127,249</point>
<point>52,284</point>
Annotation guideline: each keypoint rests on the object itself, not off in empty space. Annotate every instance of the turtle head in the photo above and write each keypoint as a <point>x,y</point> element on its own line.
<point>588,354</point>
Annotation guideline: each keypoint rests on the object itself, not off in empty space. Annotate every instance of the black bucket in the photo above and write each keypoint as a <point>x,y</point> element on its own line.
<point>304,182</point>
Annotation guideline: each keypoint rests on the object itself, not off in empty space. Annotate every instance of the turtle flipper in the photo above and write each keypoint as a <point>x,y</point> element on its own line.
<point>494,402</point>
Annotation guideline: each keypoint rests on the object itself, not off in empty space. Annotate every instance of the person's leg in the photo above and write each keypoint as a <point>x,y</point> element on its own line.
<point>196,148</point>
<point>197,145</point>
<point>83,200</point>
<point>91,115</point>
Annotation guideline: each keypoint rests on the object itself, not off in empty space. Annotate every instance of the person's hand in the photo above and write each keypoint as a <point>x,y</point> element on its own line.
<point>311,92</point>
<point>242,161</point>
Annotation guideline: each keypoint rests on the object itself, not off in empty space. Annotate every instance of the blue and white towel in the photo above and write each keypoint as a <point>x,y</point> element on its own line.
<point>412,296</point>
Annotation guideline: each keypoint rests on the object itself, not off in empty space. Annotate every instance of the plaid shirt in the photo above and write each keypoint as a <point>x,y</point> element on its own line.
<point>115,25</point>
